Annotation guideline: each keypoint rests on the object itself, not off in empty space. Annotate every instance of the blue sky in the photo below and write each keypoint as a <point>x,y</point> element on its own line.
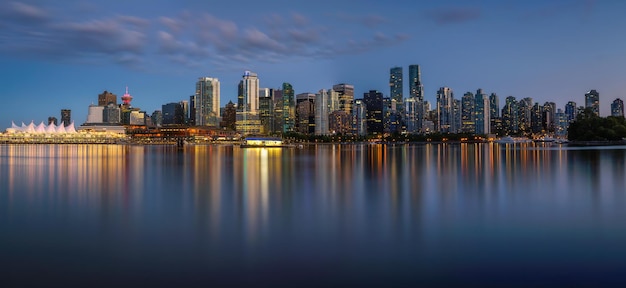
<point>62,54</point>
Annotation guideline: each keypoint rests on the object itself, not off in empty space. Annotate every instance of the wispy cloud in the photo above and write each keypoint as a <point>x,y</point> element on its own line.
<point>188,38</point>
<point>453,15</point>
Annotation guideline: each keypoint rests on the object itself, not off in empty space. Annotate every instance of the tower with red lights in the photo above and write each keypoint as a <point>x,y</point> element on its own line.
<point>126,98</point>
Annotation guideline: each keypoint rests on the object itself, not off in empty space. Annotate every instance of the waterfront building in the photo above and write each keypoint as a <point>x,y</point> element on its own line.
<point>248,98</point>
<point>562,124</point>
<point>206,102</point>
<point>266,111</point>
<point>277,98</point>
<point>481,110</point>
<point>184,104</point>
<point>66,116</point>
<point>333,100</point>
<point>374,111</point>
<point>510,120</point>
<point>444,110</point>
<point>359,118</point>
<point>395,85</point>
<point>468,119</point>
<point>229,116</point>
<point>137,118</point>
<point>305,113</point>
<point>411,114</point>
<point>455,127</point>
<point>571,111</point>
<point>340,122</point>
<point>536,119</point>
<point>173,113</point>
<point>495,125</point>
<point>321,112</point>
<point>107,97</point>
<point>289,108</point>
<point>95,114</point>
<point>549,121</point>
<point>617,108</point>
<point>157,118</point>
<point>592,100</point>
<point>416,91</point>
<point>524,115</point>
<point>345,95</point>
<point>111,114</point>
<point>192,110</point>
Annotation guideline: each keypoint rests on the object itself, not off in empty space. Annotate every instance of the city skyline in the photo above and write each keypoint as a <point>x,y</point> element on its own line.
<point>529,49</point>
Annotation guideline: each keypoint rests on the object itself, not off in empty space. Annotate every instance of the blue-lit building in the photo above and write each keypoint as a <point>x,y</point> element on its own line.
<point>617,108</point>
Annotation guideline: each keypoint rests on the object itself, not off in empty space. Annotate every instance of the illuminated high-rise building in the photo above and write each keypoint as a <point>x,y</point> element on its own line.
<point>395,84</point>
<point>444,111</point>
<point>321,112</point>
<point>571,111</point>
<point>305,113</point>
<point>510,120</point>
<point>468,119</point>
<point>345,95</point>
<point>207,102</point>
<point>617,108</point>
<point>374,111</point>
<point>481,110</point>
<point>248,98</point>
<point>289,108</point>
<point>359,118</point>
<point>416,91</point>
<point>592,100</point>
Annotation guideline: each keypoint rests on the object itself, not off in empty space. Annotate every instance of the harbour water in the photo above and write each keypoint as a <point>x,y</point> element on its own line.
<point>484,214</point>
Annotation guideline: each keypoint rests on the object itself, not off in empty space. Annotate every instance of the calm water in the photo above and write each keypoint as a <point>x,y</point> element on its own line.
<point>361,215</point>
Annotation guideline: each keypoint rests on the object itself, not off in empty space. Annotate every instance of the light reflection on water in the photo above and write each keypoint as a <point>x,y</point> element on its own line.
<point>332,214</point>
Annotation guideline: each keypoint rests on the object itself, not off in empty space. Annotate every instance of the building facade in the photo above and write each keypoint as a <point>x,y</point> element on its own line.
<point>207,102</point>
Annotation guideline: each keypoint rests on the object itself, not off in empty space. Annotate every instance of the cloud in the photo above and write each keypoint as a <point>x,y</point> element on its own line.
<point>453,15</point>
<point>24,12</point>
<point>186,38</point>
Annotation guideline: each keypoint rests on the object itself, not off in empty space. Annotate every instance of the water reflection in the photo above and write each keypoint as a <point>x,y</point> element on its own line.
<point>442,209</point>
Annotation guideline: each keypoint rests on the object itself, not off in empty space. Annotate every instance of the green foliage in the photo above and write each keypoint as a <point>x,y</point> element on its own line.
<point>590,127</point>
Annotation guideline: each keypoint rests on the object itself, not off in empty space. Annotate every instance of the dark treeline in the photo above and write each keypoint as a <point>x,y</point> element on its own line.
<point>590,127</point>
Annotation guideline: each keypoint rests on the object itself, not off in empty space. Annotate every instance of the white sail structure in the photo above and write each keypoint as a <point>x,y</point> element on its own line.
<point>42,128</point>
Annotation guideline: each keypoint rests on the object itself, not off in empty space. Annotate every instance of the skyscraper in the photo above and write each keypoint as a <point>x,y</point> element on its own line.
<point>395,84</point>
<point>359,118</point>
<point>482,120</point>
<point>617,108</point>
<point>305,113</point>
<point>468,120</point>
<point>289,108</point>
<point>510,121</point>
<point>416,91</point>
<point>415,82</point>
<point>107,97</point>
<point>345,95</point>
<point>592,100</point>
<point>374,111</point>
<point>445,116</point>
<point>66,117</point>
<point>207,102</point>
<point>248,99</point>
<point>321,112</point>
<point>571,111</point>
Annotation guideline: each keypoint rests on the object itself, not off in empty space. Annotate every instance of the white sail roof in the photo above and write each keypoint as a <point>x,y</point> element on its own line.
<point>43,128</point>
